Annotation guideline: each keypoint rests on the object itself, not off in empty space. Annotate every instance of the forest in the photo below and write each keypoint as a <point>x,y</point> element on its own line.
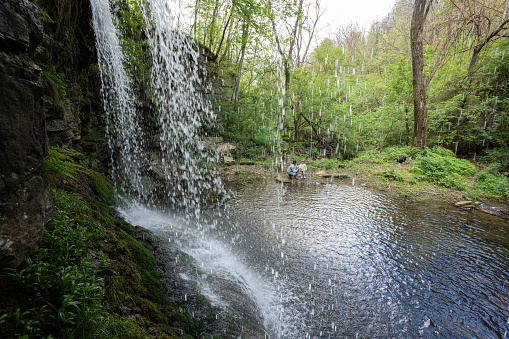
<point>354,91</point>
<point>431,74</point>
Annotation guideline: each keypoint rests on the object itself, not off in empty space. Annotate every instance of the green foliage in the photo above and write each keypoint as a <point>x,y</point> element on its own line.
<point>491,184</point>
<point>327,164</point>
<point>103,186</point>
<point>391,174</point>
<point>443,168</point>
<point>45,16</point>
<point>69,293</point>
<point>129,20</point>
<point>61,160</point>
<point>393,152</point>
<point>496,155</point>
<point>55,78</point>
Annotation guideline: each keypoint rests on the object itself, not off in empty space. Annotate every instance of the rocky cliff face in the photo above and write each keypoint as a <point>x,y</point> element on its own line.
<point>44,99</point>
<point>24,205</point>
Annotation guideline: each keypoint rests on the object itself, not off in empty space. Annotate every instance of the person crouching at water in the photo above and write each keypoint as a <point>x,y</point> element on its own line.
<point>303,168</point>
<point>293,169</point>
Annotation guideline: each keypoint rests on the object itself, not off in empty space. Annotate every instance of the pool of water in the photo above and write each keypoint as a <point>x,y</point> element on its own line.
<point>340,261</point>
<point>346,262</point>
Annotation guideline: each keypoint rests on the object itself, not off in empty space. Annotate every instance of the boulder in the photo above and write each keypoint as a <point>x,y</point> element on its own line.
<point>229,160</point>
<point>493,210</point>
<point>283,179</point>
<point>225,148</point>
<point>22,218</point>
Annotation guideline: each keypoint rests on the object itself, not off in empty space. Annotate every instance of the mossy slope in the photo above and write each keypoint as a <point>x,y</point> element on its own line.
<point>90,278</point>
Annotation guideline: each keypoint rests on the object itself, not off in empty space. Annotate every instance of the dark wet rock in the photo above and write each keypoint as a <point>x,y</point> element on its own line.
<point>20,26</point>
<point>24,205</point>
<point>62,124</point>
<point>23,213</point>
<point>237,316</point>
<point>493,210</point>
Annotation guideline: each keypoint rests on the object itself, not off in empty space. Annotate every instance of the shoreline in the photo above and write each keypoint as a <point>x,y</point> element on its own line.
<point>362,177</point>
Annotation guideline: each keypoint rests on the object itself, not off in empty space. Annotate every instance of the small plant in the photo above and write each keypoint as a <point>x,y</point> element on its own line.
<point>393,152</point>
<point>391,174</point>
<point>61,160</point>
<point>491,184</point>
<point>56,79</point>
<point>60,274</point>
<point>45,16</point>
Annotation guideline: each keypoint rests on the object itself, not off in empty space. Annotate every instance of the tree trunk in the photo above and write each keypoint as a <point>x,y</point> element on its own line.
<point>407,127</point>
<point>245,32</point>
<point>195,17</point>
<point>420,111</point>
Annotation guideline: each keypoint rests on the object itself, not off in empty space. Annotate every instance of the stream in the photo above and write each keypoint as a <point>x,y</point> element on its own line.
<point>340,261</point>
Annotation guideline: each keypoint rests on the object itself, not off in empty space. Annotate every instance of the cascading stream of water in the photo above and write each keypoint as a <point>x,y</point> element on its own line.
<point>125,137</point>
<point>182,108</point>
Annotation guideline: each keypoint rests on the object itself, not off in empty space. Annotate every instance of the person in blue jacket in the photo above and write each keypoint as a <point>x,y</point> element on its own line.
<point>293,169</point>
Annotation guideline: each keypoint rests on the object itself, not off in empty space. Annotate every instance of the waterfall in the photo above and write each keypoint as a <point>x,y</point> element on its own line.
<point>160,160</point>
<point>166,165</point>
<point>181,105</point>
<point>125,138</point>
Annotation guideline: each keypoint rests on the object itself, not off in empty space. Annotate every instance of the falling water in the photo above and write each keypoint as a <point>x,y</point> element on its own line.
<point>125,137</point>
<point>182,108</point>
<point>158,157</point>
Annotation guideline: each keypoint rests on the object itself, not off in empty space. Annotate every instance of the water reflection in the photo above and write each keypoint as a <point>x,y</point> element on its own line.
<point>347,262</point>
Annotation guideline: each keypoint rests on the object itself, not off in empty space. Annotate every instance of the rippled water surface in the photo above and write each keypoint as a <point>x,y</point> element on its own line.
<point>345,262</point>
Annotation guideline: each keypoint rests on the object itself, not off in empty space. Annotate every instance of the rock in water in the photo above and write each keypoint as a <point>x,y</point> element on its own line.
<point>462,203</point>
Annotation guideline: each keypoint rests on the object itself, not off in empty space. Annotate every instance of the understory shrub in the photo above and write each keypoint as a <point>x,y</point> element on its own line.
<point>393,152</point>
<point>491,184</point>
<point>440,166</point>
<point>391,174</point>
